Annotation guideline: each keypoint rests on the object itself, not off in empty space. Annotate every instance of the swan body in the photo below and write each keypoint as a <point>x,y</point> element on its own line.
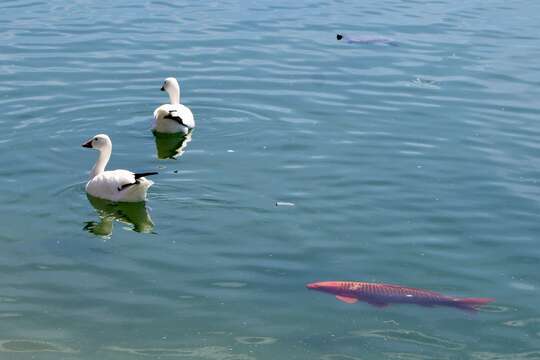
<point>114,185</point>
<point>173,117</point>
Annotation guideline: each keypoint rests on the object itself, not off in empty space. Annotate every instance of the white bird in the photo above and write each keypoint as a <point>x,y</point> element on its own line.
<point>114,185</point>
<point>173,117</point>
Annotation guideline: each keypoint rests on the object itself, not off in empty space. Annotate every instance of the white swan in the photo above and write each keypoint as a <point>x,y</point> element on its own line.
<point>173,117</point>
<point>114,185</point>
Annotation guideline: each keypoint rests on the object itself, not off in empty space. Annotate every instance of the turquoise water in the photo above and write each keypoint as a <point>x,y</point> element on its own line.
<point>415,165</point>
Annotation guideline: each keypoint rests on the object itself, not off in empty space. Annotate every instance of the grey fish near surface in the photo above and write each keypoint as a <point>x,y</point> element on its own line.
<point>284,203</point>
<point>367,39</point>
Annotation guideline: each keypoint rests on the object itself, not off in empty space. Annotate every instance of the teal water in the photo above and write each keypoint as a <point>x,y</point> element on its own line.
<point>415,165</point>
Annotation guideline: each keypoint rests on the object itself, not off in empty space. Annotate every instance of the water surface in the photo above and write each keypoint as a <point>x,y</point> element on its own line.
<point>414,165</point>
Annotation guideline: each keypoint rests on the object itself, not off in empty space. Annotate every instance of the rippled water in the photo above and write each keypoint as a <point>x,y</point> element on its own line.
<point>415,164</point>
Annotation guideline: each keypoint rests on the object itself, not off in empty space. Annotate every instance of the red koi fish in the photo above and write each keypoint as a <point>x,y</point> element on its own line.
<point>384,294</point>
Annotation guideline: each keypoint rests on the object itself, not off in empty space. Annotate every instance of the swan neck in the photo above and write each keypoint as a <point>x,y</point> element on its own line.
<point>174,95</point>
<point>103,159</point>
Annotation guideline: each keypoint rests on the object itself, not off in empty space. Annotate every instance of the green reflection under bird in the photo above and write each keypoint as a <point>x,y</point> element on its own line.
<point>133,214</point>
<point>171,146</point>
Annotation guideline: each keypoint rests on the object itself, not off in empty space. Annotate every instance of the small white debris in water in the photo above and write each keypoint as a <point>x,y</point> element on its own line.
<point>408,295</point>
<point>522,286</point>
<point>284,203</point>
<point>230,151</point>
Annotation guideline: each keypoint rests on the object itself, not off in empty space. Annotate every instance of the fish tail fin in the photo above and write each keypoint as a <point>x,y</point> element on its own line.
<point>472,304</point>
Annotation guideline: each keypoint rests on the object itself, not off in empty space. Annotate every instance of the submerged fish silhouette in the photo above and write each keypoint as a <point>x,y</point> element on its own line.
<point>367,39</point>
<point>384,294</point>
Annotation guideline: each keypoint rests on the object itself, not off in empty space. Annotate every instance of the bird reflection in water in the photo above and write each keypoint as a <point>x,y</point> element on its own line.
<point>171,146</point>
<point>133,214</point>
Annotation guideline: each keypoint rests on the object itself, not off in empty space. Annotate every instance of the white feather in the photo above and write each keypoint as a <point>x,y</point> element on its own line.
<point>164,125</point>
<point>109,185</point>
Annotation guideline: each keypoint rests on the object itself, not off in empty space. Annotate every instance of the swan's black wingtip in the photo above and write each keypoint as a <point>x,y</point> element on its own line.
<point>339,36</point>
<point>140,175</point>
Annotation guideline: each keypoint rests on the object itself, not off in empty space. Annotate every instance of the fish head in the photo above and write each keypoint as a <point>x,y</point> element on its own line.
<point>326,286</point>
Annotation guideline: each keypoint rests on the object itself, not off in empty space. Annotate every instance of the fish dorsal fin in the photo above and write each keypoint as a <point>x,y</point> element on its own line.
<point>346,299</point>
<point>411,289</point>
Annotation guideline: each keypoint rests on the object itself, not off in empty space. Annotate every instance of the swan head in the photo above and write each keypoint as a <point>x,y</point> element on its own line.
<point>99,142</point>
<point>170,85</point>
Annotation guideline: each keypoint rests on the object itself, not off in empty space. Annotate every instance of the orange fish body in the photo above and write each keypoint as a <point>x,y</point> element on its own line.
<point>384,294</point>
